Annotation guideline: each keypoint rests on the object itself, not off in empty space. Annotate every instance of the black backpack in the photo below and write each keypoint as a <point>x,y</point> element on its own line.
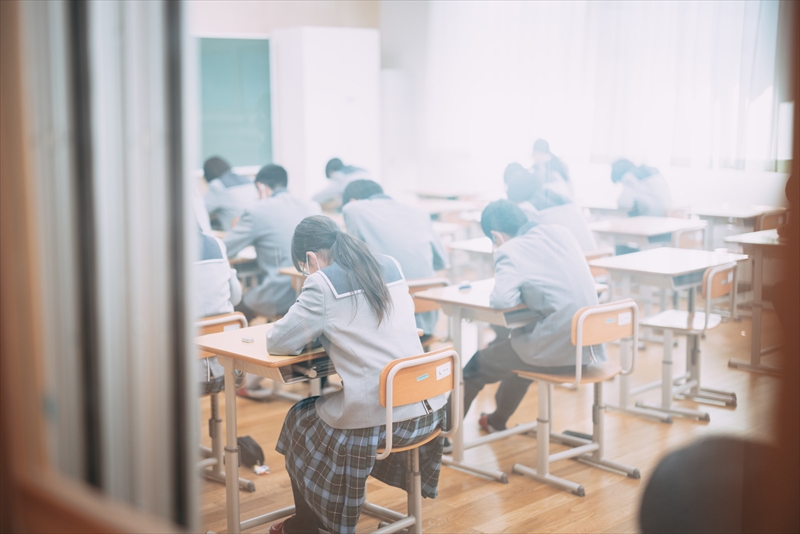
<point>250,452</point>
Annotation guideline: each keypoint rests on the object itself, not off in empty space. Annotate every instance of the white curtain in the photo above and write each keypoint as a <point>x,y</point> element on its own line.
<point>665,83</point>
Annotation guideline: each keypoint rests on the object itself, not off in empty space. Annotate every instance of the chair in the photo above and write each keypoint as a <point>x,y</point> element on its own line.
<point>718,282</point>
<point>407,381</point>
<point>422,306</point>
<point>596,254</point>
<point>771,219</point>
<point>211,467</point>
<point>693,239</point>
<point>591,325</point>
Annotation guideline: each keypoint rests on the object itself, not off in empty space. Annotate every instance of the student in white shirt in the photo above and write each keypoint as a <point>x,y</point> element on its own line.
<point>229,194</point>
<point>269,226</point>
<point>339,175</point>
<point>644,189</point>
<point>356,303</point>
<point>216,291</point>
<point>395,229</point>
<point>551,169</point>
<point>543,267</point>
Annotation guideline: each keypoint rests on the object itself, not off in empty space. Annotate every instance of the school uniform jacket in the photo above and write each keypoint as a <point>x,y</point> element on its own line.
<point>567,215</point>
<point>216,291</point>
<point>269,226</point>
<point>229,196</point>
<point>402,232</point>
<point>337,182</point>
<point>331,309</point>
<point>648,196</point>
<point>544,267</point>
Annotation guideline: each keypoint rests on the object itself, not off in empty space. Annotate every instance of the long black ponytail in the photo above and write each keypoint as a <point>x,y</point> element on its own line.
<point>317,233</point>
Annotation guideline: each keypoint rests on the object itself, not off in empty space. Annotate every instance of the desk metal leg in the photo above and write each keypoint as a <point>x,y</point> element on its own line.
<point>231,447</point>
<point>624,380</point>
<point>457,460</point>
<point>755,364</point>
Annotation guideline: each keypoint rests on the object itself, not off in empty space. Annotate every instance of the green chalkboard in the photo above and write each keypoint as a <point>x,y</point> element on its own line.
<point>235,100</point>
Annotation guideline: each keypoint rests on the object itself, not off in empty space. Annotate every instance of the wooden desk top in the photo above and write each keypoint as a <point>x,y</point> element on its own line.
<point>481,245</point>
<point>230,344</point>
<point>435,207</point>
<point>765,238</point>
<point>666,261</point>
<point>724,211</point>
<point>446,228</point>
<point>245,255</point>
<point>291,271</point>
<point>476,296</point>
<point>646,226</point>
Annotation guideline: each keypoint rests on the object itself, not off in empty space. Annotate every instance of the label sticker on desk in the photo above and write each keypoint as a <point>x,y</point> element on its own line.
<point>229,327</point>
<point>444,370</point>
<point>624,318</point>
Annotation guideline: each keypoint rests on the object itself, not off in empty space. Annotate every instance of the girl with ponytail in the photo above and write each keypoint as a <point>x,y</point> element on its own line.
<point>356,304</point>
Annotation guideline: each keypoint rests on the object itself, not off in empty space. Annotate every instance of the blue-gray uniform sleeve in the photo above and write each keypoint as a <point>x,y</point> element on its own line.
<point>330,192</point>
<point>241,236</point>
<point>627,199</point>
<point>234,285</point>
<point>439,253</point>
<point>507,283</point>
<point>213,198</point>
<point>303,323</point>
<point>351,223</point>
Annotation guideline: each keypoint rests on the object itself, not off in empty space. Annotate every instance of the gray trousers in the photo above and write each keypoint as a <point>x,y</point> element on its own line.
<point>497,363</point>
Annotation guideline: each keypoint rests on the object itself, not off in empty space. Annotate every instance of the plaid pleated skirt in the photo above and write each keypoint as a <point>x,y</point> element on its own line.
<point>330,466</point>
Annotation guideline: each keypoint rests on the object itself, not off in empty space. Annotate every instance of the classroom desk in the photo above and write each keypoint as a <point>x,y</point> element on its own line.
<point>603,210</point>
<point>745,217</point>
<point>236,355</point>
<point>473,304</point>
<point>645,232</point>
<point>664,268</point>
<point>246,255</point>
<point>437,208</point>
<point>758,245</point>
<point>297,277</point>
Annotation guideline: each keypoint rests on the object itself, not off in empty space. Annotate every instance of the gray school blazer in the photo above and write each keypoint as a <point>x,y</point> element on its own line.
<point>229,196</point>
<point>330,309</point>
<point>544,267</point>
<point>269,226</point>
<point>402,232</point>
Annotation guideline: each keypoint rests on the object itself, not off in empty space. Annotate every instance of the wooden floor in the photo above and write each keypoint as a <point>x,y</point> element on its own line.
<point>469,504</point>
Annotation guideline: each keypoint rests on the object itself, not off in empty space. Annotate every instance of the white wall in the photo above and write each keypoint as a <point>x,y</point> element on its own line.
<point>405,34</point>
<point>242,17</point>
<point>326,101</point>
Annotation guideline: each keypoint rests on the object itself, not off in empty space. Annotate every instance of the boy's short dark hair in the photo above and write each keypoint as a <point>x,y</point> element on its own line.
<point>214,167</point>
<point>619,168</point>
<point>541,146</point>
<point>273,176</point>
<point>360,190</point>
<point>332,166</point>
<point>502,216</point>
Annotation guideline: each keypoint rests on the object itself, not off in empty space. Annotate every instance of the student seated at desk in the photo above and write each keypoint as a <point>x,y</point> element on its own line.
<point>356,303</point>
<point>551,169</point>
<point>644,189</point>
<point>339,175</point>
<point>268,225</point>
<point>543,206</point>
<point>543,267</point>
<point>216,291</point>
<point>402,232</point>
<point>229,194</point>
<point>528,190</point>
